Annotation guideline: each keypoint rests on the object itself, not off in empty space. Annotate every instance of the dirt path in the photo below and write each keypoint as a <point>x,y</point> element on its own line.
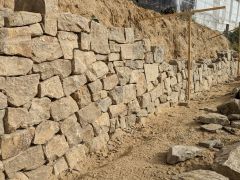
<point>142,154</point>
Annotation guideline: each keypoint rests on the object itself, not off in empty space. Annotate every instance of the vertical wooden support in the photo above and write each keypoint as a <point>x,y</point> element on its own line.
<point>189,56</point>
<point>238,49</point>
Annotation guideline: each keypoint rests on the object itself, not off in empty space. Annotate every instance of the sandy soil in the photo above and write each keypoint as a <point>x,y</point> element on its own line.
<point>142,154</point>
<point>170,32</point>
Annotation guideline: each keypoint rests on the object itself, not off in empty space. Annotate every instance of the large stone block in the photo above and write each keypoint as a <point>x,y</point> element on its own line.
<point>14,66</point>
<point>68,42</point>
<point>72,130</point>
<point>151,72</point>
<point>63,108</point>
<point>73,83</point>
<point>45,131</point>
<point>110,82</point>
<point>21,90</point>
<point>13,144</point>
<point>99,38</point>
<point>30,159</point>
<point>46,48</point>
<point>58,67</point>
<point>89,113</point>
<point>22,18</point>
<point>16,41</point>
<point>56,147</point>
<point>82,96</point>
<point>51,88</point>
<point>73,23</point>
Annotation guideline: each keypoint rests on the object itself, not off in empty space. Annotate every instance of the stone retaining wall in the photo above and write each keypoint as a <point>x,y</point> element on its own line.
<point>67,83</point>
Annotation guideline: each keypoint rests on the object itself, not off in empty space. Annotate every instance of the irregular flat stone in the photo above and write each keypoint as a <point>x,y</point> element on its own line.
<point>200,175</point>
<point>39,110</point>
<point>89,113</point>
<point>16,118</point>
<point>99,69</point>
<point>60,166</point>
<point>36,30</point>
<point>227,161</point>
<point>45,131</point>
<point>60,67</point>
<point>63,108</point>
<point>56,147</point>
<point>22,18</point>
<point>116,110</point>
<point>2,115</point>
<point>82,96</point>
<point>13,144</point>
<point>46,48</point>
<point>151,72</point>
<point>233,117</point>
<point>30,159</point>
<point>14,66</point>
<point>76,155</point>
<point>51,88</point>
<point>213,118</point>
<point>182,153</point>
<point>43,172</point>
<point>99,38</point>
<point>72,130</point>
<point>68,42</point>
<point>212,144</point>
<point>230,107</point>
<point>211,127</point>
<point>73,83</point>
<point>21,90</point>
<point>73,23</point>
<point>16,41</point>
<point>110,82</point>
<point>3,101</point>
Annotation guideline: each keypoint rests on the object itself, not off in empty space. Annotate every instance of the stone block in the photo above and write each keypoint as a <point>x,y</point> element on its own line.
<point>117,34</point>
<point>104,104</point>
<point>56,147</point>
<point>46,48</point>
<point>60,67</point>
<point>82,96</point>
<point>157,92</point>
<point>76,155</point>
<point>95,86</point>
<point>85,43</point>
<point>30,159</point>
<point>117,95</point>
<point>60,166</point>
<point>14,143</point>
<point>116,110</point>
<point>99,144</point>
<point>151,72</point>
<point>114,57</point>
<point>50,24</point>
<point>2,115</point>
<point>3,101</point>
<point>20,90</point>
<point>16,41</point>
<point>110,82</point>
<point>129,93</point>
<point>158,54</point>
<point>22,18</point>
<point>99,69</point>
<point>127,51</point>
<point>68,42</point>
<point>51,88</point>
<point>73,83</point>
<point>138,50</point>
<point>63,108</point>
<point>73,23</point>
<point>129,34</point>
<point>124,74</point>
<point>14,66</point>
<point>43,172</point>
<point>45,131</point>
<point>89,113</point>
<point>149,58</point>
<point>102,124</point>
<point>36,30</point>
<point>99,38</point>
<point>114,47</point>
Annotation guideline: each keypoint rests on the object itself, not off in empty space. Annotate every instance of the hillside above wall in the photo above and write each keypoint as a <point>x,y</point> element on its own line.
<point>171,33</point>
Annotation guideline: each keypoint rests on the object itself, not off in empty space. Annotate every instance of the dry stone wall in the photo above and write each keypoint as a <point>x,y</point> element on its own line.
<point>68,83</point>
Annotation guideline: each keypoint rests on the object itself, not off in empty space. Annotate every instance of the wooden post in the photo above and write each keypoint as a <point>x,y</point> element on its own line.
<point>189,56</point>
<point>238,49</point>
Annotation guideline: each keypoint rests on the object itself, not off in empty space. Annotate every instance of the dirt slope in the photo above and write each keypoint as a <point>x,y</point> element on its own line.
<point>171,33</point>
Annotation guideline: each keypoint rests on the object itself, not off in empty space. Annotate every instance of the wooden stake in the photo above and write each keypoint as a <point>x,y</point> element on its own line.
<point>189,56</point>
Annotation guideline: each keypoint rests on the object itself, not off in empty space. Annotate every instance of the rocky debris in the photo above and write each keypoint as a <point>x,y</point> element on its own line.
<point>63,108</point>
<point>46,48</point>
<point>16,41</point>
<point>227,161</point>
<point>230,107</point>
<point>30,159</point>
<point>20,90</point>
<point>211,127</point>
<point>45,131</point>
<point>213,118</point>
<point>216,143</point>
<point>14,66</point>
<point>180,153</point>
<point>22,18</point>
<point>200,175</point>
